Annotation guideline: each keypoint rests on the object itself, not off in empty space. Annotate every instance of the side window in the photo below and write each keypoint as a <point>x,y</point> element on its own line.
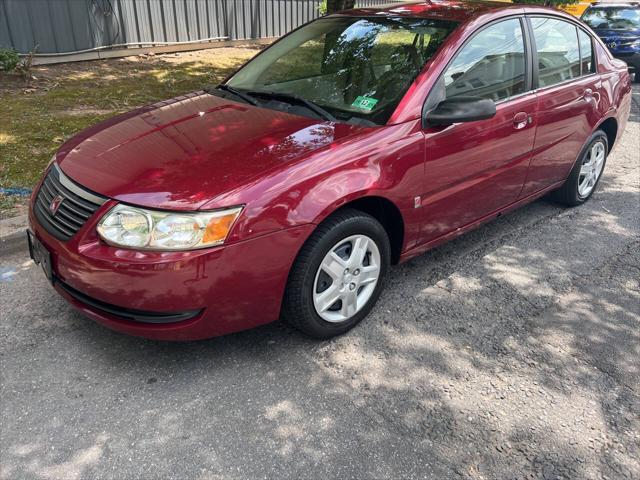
<point>586,53</point>
<point>558,52</point>
<point>491,65</point>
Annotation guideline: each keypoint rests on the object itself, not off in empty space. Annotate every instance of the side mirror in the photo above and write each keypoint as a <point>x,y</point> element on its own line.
<point>459,110</point>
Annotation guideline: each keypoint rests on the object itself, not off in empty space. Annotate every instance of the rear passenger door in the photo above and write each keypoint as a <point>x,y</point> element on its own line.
<point>567,86</point>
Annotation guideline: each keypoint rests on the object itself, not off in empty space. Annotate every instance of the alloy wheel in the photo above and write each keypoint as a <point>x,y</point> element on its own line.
<point>347,278</point>
<point>591,169</point>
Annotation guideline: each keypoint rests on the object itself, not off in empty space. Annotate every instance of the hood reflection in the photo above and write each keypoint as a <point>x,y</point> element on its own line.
<point>181,153</point>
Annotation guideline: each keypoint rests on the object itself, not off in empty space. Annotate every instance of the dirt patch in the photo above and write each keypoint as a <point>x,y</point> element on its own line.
<point>12,206</point>
<point>82,111</point>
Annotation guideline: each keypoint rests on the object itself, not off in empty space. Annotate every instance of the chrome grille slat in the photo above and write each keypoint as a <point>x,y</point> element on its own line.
<point>70,228</point>
<point>70,218</point>
<point>42,202</point>
<point>70,196</point>
<point>77,213</point>
<point>48,191</point>
<point>79,205</point>
<point>67,225</point>
<point>45,197</point>
<point>73,211</point>
<point>61,189</point>
<point>40,209</point>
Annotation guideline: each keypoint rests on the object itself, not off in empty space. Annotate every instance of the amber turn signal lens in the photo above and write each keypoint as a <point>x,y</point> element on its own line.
<point>218,228</point>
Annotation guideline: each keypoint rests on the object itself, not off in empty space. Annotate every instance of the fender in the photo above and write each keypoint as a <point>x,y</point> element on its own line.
<point>620,106</point>
<point>388,165</point>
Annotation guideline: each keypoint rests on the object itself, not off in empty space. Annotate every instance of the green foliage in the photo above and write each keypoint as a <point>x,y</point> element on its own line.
<point>548,3</point>
<point>337,5</point>
<point>322,8</point>
<point>9,59</point>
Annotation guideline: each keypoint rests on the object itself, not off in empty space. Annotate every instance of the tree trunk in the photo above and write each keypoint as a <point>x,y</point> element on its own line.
<point>337,5</point>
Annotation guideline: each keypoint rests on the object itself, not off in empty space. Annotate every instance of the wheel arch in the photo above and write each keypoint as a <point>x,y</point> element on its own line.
<point>383,210</point>
<point>610,127</point>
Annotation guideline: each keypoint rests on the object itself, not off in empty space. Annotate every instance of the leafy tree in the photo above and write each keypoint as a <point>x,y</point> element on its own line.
<point>337,5</point>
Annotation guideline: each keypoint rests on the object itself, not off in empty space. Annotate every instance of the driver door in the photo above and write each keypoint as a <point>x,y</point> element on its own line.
<point>474,169</point>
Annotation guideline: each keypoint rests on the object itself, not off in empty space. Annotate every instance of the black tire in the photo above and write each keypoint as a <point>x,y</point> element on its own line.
<point>568,193</point>
<point>298,305</point>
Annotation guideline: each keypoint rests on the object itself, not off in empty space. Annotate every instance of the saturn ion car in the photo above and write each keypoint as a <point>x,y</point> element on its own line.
<point>355,142</point>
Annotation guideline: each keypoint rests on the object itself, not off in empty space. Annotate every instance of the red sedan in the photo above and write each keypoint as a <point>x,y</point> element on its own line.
<point>355,142</point>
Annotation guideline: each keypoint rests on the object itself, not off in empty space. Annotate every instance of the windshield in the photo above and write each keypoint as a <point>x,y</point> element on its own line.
<point>613,18</point>
<point>352,67</point>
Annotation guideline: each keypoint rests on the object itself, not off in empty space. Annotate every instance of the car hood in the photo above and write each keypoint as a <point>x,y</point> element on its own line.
<point>182,153</point>
<point>616,35</point>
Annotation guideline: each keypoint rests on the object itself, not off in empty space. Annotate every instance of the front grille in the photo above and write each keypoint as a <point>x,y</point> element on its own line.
<point>62,207</point>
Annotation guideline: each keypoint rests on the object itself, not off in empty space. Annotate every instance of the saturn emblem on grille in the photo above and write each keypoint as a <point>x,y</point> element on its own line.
<point>54,206</point>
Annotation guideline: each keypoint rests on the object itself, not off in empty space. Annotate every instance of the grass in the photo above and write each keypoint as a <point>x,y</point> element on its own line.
<point>64,99</point>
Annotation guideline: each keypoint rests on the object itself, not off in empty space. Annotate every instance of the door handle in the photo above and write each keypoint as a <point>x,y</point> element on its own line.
<point>521,119</point>
<point>588,94</point>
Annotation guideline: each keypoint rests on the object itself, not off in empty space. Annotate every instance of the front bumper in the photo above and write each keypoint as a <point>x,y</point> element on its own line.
<point>217,291</point>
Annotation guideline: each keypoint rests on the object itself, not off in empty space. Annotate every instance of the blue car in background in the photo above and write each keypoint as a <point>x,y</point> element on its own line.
<point>618,25</point>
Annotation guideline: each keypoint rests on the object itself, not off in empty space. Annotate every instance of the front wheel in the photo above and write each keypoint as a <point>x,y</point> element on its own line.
<point>586,172</point>
<point>338,275</point>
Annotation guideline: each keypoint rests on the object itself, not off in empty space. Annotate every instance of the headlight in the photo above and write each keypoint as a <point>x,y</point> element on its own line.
<point>139,228</point>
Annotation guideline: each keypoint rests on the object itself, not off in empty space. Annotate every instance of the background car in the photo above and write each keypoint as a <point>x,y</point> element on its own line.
<point>618,25</point>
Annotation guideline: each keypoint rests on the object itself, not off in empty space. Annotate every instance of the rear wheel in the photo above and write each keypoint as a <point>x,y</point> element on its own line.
<point>338,275</point>
<point>586,172</point>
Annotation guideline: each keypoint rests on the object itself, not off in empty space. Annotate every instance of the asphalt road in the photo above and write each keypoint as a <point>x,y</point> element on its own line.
<point>513,352</point>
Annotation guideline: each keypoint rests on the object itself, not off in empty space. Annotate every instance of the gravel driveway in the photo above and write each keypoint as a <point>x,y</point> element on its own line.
<point>513,352</point>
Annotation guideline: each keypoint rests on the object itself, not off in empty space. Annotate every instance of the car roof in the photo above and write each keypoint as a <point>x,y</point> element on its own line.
<point>456,10</point>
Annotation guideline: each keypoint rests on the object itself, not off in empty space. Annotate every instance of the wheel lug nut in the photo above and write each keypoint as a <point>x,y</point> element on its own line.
<point>352,286</point>
<point>356,272</point>
<point>346,271</point>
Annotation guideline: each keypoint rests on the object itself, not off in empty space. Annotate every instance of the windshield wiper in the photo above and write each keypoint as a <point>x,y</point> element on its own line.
<point>290,97</point>
<point>244,96</point>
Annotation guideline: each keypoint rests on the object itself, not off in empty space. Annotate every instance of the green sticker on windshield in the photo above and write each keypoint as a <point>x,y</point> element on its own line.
<point>365,103</point>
